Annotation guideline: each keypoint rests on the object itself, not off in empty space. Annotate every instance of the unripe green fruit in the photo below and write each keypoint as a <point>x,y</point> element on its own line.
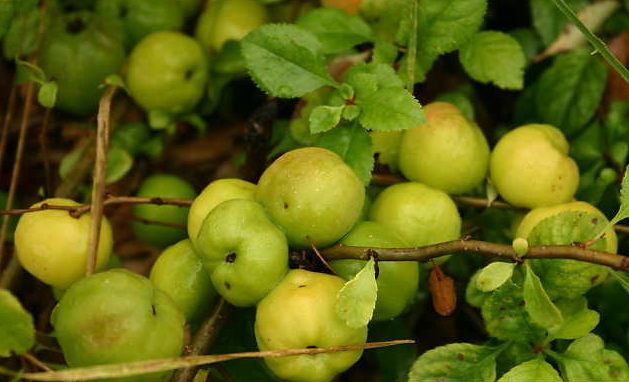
<point>535,216</point>
<point>140,18</point>
<point>164,186</point>
<point>167,73</point>
<point>397,280</point>
<point>228,20</point>
<point>311,192</point>
<point>212,195</point>
<point>419,214</point>
<point>447,152</point>
<point>301,313</point>
<point>179,272</point>
<point>118,316</point>
<point>53,246</point>
<point>79,51</point>
<point>530,167</point>
<point>245,254</point>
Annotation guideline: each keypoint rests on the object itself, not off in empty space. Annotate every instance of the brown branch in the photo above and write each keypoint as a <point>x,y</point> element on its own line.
<point>100,172</point>
<point>321,258</point>
<point>32,359</point>
<point>428,252</point>
<point>6,125</point>
<point>204,339</point>
<point>158,222</point>
<point>17,165</point>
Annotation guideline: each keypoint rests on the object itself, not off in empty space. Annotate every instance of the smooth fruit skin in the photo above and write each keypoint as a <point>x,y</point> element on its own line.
<point>448,151</point>
<point>167,72</point>
<point>245,254</point>
<point>212,195</point>
<point>228,20</point>
<point>530,167</point>
<point>140,18</point>
<point>397,280</point>
<point>300,313</point>
<point>165,186</point>
<point>350,6</point>
<point>311,192</point>
<point>79,51</point>
<point>419,214</point>
<point>53,246</point>
<point>535,216</point>
<point>118,316</point>
<point>179,272</point>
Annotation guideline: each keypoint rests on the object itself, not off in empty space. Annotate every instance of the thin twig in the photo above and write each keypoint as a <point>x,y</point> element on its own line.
<point>32,359</point>
<point>43,144</point>
<point>204,339</point>
<point>316,251</point>
<point>100,172</point>
<point>598,44</point>
<point>17,165</point>
<point>158,222</point>
<point>153,366</point>
<point>78,211</point>
<point>8,118</point>
<point>428,252</point>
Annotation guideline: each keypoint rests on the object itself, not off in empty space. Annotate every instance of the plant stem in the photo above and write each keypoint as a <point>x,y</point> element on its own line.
<point>100,172</point>
<point>204,339</point>
<point>504,251</point>
<point>412,49</point>
<point>598,44</point>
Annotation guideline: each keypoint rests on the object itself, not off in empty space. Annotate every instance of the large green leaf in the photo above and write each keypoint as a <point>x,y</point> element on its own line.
<point>390,108</point>
<point>586,359</point>
<point>578,320</point>
<point>285,61</point>
<point>356,301</point>
<point>17,332</point>
<point>456,362</point>
<point>548,19</point>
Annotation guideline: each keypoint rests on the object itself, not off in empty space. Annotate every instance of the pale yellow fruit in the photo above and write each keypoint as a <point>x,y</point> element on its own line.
<point>53,246</point>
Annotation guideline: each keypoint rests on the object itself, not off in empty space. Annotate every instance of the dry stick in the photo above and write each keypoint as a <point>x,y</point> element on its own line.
<point>7,122</point>
<point>204,339</point>
<point>43,143</point>
<point>153,366</point>
<point>32,359</point>
<point>100,172</point>
<point>428,252</point>
<point>17,166</point>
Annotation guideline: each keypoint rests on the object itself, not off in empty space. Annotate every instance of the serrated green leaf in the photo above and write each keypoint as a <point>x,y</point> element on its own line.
<point>445,25</point>
<point>570,91</point>
<point>587,360</point>
<point>494,57</point>
<point>324,118</point>
<point>353,145</point>
<point>356,301</point>
<point>47,94</point>
<point>456,362</point>
<point>17,332</point>
<point>388,109</point>
<point>533,370</point>
<point>368,78</point>
<point>384,16</point>
<point>6,14</point>
<point>285,61</point>
<point>346,92</point>
<point>384,52</point>
<point>506,318</point>
<point>351,112</point>
<point>578,320</point>
<point>623,211</point>
<point>566,278</point>
<point>548,19</point>
<point>335,29</point>
<point>494,275</point>
<point>537,303</point>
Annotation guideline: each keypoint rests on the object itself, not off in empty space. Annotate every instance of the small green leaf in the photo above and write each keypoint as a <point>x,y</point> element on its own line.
<point>495,57</point>
<point>47,94</point>
<point>119,162</point>
<point>520,246</point>
<point>160,120</point>
<point>533,370</point>
<point>444,25</point>
<point>473,295</point>
<point>367,78</point>
<point>586,359</point>
<point>578,319</point>
<point>384,52</point>
<point>537,303</point>
<point>353,145</point>
<point>623,211</point>
<point>351,112</point>
<point>285,61</point>
<point>494,275</point>
<point>456,362</point>
<point>570,91</point>
<point>356,301</point>
<point>324,118</point>
<point>17,332</point>
<point>390,109</point>
<point>346,91</point>
<point>335,29</point>
<point>6,14</point>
